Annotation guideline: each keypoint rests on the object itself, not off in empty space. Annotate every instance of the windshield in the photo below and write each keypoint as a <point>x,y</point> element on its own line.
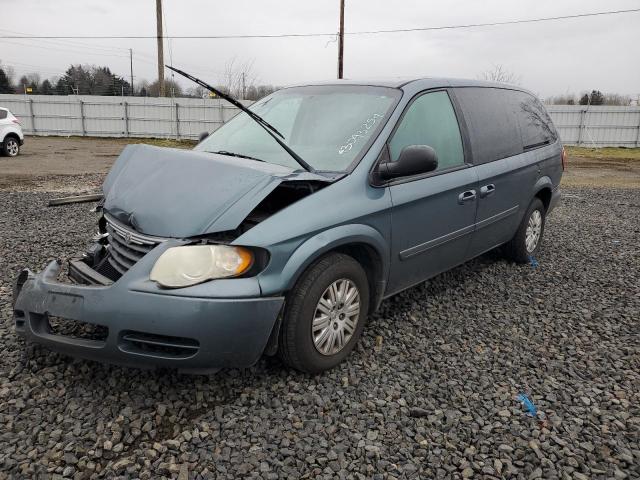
<point>327,126</point>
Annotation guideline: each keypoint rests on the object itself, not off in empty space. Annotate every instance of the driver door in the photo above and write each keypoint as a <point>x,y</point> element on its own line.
<point>433,214</point>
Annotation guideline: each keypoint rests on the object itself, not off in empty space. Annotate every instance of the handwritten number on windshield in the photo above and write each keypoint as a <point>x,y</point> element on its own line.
<point>361,133</point>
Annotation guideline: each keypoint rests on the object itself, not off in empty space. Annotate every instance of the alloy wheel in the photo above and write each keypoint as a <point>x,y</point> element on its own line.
<point>12,147</point>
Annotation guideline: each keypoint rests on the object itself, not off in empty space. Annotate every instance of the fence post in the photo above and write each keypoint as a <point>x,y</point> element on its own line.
<point>126,118</point>
<point>221,113</point>
<point>177,122</point>
<point>33,117</point>
<point>638,134</point>
<point>84,130</point>
<point>581,126</point>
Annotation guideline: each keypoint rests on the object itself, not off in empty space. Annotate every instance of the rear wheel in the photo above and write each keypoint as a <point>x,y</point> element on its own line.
<point>325,314</point>
<point>527,240</point>
<point>10,147</point>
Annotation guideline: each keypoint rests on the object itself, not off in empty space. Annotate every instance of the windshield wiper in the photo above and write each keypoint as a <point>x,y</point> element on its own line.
<point>270,129</point>
<point>239,155</point>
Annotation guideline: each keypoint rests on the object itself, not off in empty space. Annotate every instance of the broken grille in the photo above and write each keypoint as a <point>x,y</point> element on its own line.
<point>125,247</point>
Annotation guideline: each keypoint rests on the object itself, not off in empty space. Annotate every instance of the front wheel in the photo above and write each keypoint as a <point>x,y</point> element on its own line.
<point>10,147</point>
<point>325,314</point>
<point>527,240</point>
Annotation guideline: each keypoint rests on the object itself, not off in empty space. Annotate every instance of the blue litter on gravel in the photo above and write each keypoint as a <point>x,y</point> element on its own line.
<point>528,404</point>
<point>533,261</point>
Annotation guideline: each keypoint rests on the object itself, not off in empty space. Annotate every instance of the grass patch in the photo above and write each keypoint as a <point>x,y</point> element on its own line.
<point>604,152</point>
<point>158,142</point>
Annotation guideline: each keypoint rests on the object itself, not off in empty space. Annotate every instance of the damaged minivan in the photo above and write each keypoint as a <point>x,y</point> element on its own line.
<point>281,231</point>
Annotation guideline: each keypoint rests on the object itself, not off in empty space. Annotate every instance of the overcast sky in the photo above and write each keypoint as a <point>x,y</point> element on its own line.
<point>549,58</point>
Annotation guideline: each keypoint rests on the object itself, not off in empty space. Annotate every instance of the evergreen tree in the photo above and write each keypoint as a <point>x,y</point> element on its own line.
<point>46,88</point>
<point>5,84</point>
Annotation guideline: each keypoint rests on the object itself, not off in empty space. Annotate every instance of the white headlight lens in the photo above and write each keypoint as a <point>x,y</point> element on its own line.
<point>193,264</point>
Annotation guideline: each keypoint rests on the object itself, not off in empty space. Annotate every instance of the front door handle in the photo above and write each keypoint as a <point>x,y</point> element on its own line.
<point>487,190</point>
<point>467,196</point>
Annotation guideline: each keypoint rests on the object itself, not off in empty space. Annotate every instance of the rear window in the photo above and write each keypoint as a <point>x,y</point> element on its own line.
<point>535,124</point>
<point>3,114</point>
<point>491,121</point>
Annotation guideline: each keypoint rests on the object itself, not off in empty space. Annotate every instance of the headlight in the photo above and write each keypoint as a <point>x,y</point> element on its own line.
<point>193,264</point>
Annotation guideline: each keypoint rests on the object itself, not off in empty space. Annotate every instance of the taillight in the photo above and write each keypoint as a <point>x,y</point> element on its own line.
<point>15,120</point>
<point>564,159</point>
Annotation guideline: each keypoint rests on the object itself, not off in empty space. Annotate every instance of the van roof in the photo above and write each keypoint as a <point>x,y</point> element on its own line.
<point>428,82</point>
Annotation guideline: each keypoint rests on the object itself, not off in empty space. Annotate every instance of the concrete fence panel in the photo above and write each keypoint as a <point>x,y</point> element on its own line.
<point>595,126</point>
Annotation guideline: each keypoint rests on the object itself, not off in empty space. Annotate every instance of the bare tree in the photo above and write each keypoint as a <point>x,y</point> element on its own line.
<point>142,88</point>
<point>617,99</point>
<point>238,77</point>
<point>566,99</point>
<point>198,92</point>
<point>501,75</point>
<point>171,88</point>
<point>593,98</point>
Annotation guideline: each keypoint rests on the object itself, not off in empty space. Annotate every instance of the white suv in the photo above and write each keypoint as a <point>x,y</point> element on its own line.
<point>11,136</point>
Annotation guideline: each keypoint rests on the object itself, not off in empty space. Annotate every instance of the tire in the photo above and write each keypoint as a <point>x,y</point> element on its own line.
<point>297,347</point>
<point>517,248</point>
<point>11,147</point>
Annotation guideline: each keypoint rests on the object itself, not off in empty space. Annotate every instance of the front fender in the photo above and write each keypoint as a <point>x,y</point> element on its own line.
<point>276,280</point>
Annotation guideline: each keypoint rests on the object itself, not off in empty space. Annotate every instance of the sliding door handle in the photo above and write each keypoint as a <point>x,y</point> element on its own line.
<point>487,190</point>
<point>467,196</point>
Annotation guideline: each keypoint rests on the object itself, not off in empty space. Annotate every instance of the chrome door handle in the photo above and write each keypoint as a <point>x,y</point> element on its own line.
<point>487,190</point>
<point>467,196</point>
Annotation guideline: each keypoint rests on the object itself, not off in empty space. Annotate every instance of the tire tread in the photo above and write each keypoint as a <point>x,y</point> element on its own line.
<point>515,249</point>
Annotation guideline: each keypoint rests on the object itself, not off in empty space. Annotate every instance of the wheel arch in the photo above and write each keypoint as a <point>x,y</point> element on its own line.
<point>362,242</point>
<point>371,261</point>
<point>11,134</point>
<point>544,191</point>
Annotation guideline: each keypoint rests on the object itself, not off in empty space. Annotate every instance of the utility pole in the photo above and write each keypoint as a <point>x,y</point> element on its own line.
<point>160,47</point>
<point>341,40</point>
<point>244,86</point>
<point>131,66</point>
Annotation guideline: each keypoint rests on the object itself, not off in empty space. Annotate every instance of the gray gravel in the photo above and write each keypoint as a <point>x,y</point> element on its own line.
<point>430,391</point>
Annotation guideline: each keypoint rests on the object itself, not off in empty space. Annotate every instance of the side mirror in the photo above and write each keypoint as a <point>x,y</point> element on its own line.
<point>413,160</point>
<point>202,136</point>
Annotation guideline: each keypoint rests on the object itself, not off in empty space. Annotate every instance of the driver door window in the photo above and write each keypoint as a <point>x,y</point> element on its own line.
<point>430,120</point>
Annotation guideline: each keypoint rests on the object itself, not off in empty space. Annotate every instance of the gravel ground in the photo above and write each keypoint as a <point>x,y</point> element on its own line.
<point>429,392</point>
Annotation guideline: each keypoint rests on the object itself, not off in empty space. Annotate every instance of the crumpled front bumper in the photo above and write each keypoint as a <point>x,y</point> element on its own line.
<point>146,327</point>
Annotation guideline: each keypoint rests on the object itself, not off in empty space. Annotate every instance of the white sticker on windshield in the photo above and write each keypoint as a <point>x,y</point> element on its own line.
<point>361,133</point>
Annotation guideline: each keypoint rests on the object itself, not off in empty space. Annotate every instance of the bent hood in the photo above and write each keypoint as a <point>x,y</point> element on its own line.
<point>169,192</point>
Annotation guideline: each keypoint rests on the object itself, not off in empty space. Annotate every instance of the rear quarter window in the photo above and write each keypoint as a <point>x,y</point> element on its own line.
<point>3,114</point>
<point>491,121</point>
<point>535,124</point>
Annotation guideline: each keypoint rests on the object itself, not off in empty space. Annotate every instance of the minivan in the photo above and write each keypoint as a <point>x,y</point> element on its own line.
<point>281,231</point>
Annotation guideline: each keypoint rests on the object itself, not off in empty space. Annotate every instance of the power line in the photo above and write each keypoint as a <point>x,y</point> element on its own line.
<point>332,34</point>
<point>67,43</point>
<point>12,63</point>
<point>497,24</point>
<point>59,48</point>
